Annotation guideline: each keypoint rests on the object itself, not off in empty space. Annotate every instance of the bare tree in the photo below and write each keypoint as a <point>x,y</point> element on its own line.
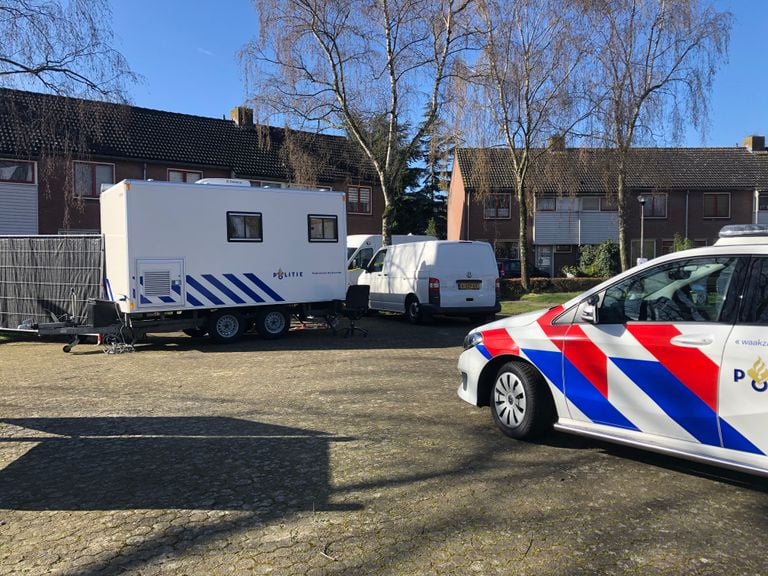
<point>64,47</point>
<point>657,60</point>
<point>61,47</point>
<point>527,77</point>
<point>352,66</point>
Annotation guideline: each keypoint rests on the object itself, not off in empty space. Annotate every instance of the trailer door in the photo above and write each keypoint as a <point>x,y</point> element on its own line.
<point>160,284</point>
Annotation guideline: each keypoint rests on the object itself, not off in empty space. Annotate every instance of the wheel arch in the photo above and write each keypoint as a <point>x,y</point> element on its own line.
<point>488,376</point>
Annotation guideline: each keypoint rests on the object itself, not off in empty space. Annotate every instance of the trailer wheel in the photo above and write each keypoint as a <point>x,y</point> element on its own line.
<point>225,326</point>
<point>273,323</point>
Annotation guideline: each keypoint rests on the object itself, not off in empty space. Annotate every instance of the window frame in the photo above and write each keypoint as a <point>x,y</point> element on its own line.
<point>762,196</point>
<point>715,194</point>
<point>185,172</point>
<point>324,217</point>
<point>356,190</point>
<point>495,208</point>
<point>650,200</point>
<point>95,189</point>
<point>541,208</point>
<point>583,209</point>
<point>31,163</point>
<point>236,240</point>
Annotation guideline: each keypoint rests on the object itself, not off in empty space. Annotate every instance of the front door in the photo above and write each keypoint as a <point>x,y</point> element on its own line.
<point>652,361</point>
<point>376,277</point>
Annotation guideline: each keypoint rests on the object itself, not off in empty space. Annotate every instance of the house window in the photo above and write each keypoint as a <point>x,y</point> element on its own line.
<point>265,184</point>
<point>762,201</point>
<point>667,246</point>
<point>323,228</point>
<point>244,227</point>
<point>184,176</point>
<point>717,205</point>
<point>590,204</point>
<point>359,200</point>
<point>17,171</point>
<point>497,206</point>
<point>546,204</point>
<point>89,176</point>
<point>655,206</point>
<point>700,243</point>
<point>608,204</point>
<point>505,248</point>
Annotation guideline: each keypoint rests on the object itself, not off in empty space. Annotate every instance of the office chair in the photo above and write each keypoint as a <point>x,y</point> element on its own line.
<point>355,307</point>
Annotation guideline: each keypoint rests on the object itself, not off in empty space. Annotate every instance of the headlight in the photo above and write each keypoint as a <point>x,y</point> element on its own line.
<point>473,339</point>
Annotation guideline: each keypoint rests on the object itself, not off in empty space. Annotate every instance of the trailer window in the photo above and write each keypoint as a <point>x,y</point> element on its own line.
<point>323,228</point>
<point>244,227</point>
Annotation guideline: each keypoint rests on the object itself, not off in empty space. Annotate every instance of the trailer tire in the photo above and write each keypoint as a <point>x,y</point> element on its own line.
<point>225,326</point>
<point>272,323</point>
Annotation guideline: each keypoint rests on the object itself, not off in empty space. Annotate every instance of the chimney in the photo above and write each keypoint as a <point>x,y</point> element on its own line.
<point>241,115</point>
<point>556,143</point>
<point>755,143</point>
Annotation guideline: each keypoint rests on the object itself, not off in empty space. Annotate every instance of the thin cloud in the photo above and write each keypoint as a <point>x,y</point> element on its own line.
<point>206,52</point>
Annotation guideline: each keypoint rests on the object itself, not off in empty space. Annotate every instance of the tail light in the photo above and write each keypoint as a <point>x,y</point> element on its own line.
<point>434,291</point>
<point>498,289</point>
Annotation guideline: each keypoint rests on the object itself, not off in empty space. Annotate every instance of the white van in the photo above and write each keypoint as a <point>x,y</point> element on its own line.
<point>362,247</point>
<point>450,277</point>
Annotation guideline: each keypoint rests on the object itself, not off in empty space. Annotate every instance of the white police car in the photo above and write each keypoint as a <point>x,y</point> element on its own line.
<point>671,356</point>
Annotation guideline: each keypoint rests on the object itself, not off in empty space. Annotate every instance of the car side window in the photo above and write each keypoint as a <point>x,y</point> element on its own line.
<point>691,290</point>
<point>377,264</point>
<point>755,309</point>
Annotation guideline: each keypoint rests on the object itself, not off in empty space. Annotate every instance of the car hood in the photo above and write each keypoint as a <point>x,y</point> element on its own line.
<point>516,321</point>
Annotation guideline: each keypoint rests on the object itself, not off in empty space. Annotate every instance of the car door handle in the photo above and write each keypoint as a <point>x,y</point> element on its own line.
<point>692,340</point>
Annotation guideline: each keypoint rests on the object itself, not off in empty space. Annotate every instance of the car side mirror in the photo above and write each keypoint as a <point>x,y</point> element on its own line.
<point>590,314</point>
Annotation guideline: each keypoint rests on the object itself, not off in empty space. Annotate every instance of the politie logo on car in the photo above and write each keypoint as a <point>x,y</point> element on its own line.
<point>758,373</point>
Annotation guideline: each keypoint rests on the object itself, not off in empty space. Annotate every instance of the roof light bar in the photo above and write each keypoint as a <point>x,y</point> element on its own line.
<point>737,230</point>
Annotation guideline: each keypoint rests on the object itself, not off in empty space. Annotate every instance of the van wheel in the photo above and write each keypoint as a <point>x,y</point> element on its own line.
<point>272,323</point>
<point>520,402</point>
<point>225,326</point>
<point>413,310</point>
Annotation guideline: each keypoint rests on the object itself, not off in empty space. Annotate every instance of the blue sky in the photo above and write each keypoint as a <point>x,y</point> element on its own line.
<point>187,53</point>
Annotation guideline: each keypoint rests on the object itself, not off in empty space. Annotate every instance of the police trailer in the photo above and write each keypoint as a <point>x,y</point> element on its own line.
<point>214,258</point>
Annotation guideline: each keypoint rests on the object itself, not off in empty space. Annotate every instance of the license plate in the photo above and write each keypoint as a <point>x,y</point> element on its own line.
<point>469,284</point>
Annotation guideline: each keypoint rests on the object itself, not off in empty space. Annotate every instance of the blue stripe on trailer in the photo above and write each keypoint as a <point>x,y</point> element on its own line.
<point>271,293</point>
<point>144,300</point>
<point>191,299</point>
<point>167,299</point>
<point>204,291</point>
<point>220,285</point>
<point>240,284</point>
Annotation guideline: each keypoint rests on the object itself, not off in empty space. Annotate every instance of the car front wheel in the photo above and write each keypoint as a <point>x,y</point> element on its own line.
<point>520,402</point>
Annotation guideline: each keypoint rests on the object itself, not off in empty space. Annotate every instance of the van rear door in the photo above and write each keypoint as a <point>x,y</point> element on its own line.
<point>467,273</point>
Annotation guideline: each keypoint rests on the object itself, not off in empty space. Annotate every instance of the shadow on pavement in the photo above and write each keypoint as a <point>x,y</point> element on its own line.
<point>205,463</point>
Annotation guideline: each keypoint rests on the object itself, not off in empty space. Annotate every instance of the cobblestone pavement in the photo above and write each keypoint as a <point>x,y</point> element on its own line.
<point>317,454</point>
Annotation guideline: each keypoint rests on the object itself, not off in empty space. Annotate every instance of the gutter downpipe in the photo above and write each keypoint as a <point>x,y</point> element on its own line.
<point>756,207</point>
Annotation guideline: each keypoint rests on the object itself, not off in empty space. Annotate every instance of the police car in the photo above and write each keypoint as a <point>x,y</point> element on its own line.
<point>670,356</point>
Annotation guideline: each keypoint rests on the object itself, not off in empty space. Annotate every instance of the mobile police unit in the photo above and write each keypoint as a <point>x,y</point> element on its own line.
<point>217,258</point>
<point>670,356</point>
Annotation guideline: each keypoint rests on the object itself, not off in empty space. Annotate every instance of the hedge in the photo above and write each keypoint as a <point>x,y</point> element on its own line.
<point>512,288</point>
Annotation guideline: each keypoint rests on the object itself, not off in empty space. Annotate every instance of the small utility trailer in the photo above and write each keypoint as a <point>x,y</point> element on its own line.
<point>215,258</point>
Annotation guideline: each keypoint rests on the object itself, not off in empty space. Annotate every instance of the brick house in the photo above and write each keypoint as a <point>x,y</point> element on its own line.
<point>56,152</point>
<point>692,192</point>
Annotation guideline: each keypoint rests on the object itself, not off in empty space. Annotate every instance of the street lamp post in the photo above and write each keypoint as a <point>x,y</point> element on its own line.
<point>641,199</point>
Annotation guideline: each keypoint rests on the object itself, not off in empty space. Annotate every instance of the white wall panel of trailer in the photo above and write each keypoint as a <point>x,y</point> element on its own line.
<point>180,230</point>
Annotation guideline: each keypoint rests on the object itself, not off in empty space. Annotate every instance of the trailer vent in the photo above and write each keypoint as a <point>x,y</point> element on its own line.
<point>157,283</point>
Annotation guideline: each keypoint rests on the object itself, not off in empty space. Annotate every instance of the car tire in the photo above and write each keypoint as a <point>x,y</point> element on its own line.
<point>272,323</point>
<point>225,326</point>
<point>413,310</point>
<point>521,404</point>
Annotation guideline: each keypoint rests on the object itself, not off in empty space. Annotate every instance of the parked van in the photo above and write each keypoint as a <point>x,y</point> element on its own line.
<point>450,277</point>
<point>362,247</point>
